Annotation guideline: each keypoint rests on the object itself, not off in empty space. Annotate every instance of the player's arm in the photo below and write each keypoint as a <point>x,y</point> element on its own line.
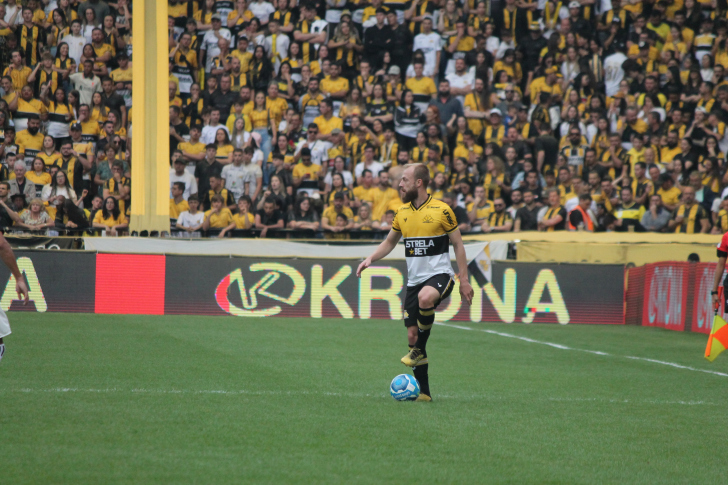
<point>8,257</point>
<point>466,291</point>
<point>382,250</point>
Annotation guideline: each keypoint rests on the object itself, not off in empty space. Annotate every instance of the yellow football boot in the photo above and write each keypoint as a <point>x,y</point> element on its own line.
<point>413,357</point>
<point>423,398</point>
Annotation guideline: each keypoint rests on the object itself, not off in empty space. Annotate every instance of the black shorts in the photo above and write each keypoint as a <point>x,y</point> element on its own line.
<point>443,283</point>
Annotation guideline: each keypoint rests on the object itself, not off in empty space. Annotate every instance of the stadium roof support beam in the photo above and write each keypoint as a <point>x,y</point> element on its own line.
<point>150,143</point>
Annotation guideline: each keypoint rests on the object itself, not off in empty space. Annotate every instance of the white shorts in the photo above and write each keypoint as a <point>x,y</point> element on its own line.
<point>4,324</point>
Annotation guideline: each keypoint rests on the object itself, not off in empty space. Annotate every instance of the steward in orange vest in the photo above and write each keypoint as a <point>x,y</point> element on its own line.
<point>580,216</point>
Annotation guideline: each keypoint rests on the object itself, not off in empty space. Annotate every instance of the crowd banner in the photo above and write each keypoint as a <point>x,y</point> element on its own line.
<point>266,248</point>
<point>627,248</point>
<point>42,242</point>
<point>305,288</point>
<point>672,295</point>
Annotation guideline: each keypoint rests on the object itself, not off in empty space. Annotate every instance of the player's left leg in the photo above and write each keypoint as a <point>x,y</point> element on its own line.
<point>427,299</point>
<point>429,296</point>
<point>4,331</point>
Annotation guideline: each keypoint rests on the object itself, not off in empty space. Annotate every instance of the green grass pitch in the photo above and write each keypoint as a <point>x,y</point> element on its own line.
<point>130,399</point>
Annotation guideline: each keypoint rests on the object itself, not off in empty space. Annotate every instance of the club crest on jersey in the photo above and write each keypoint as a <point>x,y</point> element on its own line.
<point>428,219</point>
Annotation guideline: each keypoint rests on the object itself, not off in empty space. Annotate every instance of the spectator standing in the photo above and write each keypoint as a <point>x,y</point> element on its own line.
<point>209,48</point>
<point>75,42</point>
<point>86,83</point>
<point>449,106</point>
<point>207,167</point>
<point>236,176</point>
<point>255,174</point>
<point>377,39</point>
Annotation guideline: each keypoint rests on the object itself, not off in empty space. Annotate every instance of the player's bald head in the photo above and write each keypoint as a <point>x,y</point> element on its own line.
<point>421,172</point>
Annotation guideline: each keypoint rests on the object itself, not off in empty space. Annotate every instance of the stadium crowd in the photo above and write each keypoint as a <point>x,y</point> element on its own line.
<point>288,117</point>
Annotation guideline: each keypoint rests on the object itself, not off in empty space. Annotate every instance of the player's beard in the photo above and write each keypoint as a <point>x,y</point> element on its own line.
<point>408,195</point>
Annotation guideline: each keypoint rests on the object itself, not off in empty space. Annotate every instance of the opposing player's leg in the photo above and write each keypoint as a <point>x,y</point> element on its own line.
<point>4,332</point>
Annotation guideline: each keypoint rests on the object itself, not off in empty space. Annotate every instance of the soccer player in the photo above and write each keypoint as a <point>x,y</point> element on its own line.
<point>428,227</point>
<point>8,257</point>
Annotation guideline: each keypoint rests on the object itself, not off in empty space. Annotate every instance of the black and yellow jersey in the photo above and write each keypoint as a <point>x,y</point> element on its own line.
<point>29,42</point>
<point>631,215</point>
<point>722,221</point>
<point>427,245</point>
<point>692,218</point>
<point>44,77</point>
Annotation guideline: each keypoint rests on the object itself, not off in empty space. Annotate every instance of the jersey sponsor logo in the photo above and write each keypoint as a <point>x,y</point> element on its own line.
<point>428,219</point>
<point>426,246</point>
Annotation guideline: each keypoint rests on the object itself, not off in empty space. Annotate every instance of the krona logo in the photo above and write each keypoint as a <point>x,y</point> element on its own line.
<point>250,297</point>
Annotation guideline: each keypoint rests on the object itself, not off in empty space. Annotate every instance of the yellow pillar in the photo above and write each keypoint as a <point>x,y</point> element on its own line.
<point>150,132</point>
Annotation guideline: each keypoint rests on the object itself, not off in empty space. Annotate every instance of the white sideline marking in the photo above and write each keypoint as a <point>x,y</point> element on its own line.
<point>491,397</point>
<point>596,352</point>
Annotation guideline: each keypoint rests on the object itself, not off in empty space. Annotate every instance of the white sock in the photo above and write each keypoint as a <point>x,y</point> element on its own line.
<point>2,351</point>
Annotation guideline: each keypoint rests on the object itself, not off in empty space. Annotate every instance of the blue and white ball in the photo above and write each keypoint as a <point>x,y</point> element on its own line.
<point>404,387</point>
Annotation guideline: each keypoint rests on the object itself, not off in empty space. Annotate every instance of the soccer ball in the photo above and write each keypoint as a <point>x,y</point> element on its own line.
<point>404,387</point>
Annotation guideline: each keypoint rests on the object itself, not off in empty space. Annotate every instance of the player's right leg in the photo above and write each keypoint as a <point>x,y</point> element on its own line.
<point>411,319</point>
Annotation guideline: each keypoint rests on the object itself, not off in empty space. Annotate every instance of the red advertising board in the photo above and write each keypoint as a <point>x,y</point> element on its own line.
<point>665,296</point>
<point>702,317</point>
<point>130,284</point>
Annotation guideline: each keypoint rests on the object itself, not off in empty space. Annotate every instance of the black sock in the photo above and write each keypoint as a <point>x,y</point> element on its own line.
<point>425,320</point>
<point>420,373</point>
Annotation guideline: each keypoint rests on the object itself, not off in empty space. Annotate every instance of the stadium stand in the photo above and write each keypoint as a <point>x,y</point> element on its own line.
<point>295,120</point>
